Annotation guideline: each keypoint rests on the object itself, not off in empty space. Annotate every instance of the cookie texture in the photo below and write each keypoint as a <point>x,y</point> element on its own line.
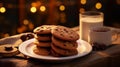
<point>8,50</point>
<point>64,52</point>
<point>42,43</point>
<point>56,41</point>
<point>44,29</point>
<point>65,33</point>
<point>64,44</point>
<point>53,53</point>
<point>45,37</point>
<point>42,51</point>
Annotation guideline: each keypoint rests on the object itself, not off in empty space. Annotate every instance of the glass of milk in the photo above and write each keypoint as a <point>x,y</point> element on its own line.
<point>88,20</point>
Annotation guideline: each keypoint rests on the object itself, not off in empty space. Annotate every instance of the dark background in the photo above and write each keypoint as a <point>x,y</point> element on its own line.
<point>12,21</point>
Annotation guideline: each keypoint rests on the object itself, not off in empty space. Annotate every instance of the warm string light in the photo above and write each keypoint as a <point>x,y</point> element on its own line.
<point>62,8</point>
<point>27,25</point>
<point>42,8</point>
<point>83,2</point>
<point>37,6</point>
<point>82,10</point>
<point>98,5</point>
<point>2,9</point>
<point>25,22</point>
<point>33,9</point>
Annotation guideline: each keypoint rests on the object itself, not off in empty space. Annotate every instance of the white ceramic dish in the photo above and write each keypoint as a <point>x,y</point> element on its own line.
<point>26,48</point>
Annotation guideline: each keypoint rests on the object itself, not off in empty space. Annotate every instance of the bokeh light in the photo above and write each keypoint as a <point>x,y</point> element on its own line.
<point>25,22</point>
<point>98,5</point>
<point>83,2</point>
<point>33,4</point>
<point>2,9</point>
<point>82,10</point>
<point>21,29</point>
<point>42,8</point>
<point>33,9</point>
<point>62,8</point>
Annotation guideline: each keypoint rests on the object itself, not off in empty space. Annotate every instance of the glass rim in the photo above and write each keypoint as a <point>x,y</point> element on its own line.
<point>92,13</point>
<point>100,29</point>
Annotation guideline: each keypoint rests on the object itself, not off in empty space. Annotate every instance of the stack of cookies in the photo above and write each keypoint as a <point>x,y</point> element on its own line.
<point>55,41</point>
<point>64,41</point>
<point>43,39</point>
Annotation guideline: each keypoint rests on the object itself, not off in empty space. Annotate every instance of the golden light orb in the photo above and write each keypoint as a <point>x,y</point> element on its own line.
<point>2,9</point>
<point>33,9</point>
<point>98,5</point>
<point>42,8</point>
<point>82,10</point>
<point>62,8</point>
<point>25,22</point>
<point>83,2</point>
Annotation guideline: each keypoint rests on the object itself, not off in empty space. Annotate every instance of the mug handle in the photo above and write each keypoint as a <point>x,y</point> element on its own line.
<point>115,35</point>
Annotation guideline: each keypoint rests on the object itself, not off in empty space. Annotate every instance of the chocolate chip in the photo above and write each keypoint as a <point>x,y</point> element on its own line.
<point>23,37</point>
<point>30,36</point>
<point>65,30</point>
<point>8,48</point>
<point>26,36</point>
<point>56,29</point>
<point>61,34</point>
<point>71,36</point>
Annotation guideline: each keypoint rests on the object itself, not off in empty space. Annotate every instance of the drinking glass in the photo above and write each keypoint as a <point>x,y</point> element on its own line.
<point>88,20</point>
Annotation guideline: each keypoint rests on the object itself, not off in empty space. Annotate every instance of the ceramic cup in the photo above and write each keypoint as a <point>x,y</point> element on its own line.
<point>101,35</point>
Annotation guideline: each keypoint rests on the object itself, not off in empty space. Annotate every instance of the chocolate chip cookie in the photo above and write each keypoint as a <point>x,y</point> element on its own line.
<point>42,51</point>
<point>42,43</point>
<point>44,29</point>
<point>64,52</point>
<point>65,33</point>
<point>64,44</point>
<point>43,37</point>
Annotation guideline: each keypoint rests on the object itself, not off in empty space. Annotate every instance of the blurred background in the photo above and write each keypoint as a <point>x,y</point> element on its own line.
<point>19,16</point>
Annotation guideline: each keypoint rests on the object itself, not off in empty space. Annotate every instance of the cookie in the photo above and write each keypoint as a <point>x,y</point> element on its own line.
<point>44,37</point>
<point>8,50</point>
<point>42,43</point>
<point>64,52</point>
<point>26,36</point>
<point>44,29</point>
<point>42,51</point>
<point>64,44</point>
<point>53,53</point>
<point>65,33</point>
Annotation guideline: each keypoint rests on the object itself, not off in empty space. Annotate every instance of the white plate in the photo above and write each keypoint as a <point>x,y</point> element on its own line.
<point>26,48</point>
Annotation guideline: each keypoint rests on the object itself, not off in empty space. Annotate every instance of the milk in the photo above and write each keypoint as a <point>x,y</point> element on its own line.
<point>88,22</point>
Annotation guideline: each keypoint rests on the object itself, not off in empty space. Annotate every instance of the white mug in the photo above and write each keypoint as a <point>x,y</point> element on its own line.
<point>101,35</point>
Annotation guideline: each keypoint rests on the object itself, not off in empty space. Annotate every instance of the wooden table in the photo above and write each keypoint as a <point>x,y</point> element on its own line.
<point>109,57</point>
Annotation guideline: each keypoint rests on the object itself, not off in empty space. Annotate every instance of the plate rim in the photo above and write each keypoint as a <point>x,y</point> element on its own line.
<point>22,48</point>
